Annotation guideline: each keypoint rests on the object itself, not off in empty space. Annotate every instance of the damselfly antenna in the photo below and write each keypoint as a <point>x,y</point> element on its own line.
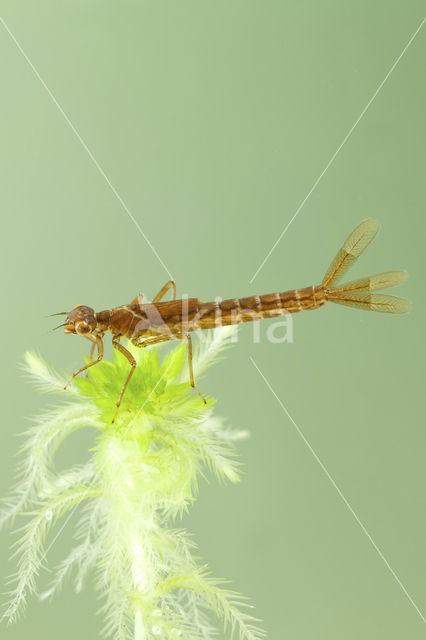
<point>61,313</point>
<point>58,327</point>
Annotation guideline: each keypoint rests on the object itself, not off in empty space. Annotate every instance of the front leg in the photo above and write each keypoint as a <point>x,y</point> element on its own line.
<point>92,352</point>
<point>97,341</point>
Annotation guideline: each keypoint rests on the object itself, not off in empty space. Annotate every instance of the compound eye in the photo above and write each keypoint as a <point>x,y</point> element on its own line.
<point>82,327</point>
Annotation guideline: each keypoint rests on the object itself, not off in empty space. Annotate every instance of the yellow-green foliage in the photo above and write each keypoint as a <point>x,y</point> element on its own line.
<point>141,476</point>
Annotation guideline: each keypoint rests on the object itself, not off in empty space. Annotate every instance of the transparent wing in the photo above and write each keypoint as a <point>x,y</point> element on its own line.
<point>373,283</point>
<point>352,248</point>
<point>364,299</point>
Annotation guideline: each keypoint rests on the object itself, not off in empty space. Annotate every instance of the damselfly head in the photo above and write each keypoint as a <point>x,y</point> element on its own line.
<point>80,320</point>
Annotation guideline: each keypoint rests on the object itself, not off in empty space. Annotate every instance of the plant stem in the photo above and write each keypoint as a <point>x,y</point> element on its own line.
<point>139,630</point>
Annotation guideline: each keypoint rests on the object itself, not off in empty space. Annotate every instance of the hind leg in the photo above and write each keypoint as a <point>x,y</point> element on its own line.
<point>169,285</point>
<point>177,336</point>
<point>187,337</point>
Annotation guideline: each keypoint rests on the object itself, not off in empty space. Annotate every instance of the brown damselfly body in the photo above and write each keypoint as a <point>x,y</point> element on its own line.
<point>146,324</point>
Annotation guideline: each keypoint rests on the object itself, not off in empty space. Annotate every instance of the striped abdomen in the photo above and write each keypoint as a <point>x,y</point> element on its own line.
<point>270,305</point>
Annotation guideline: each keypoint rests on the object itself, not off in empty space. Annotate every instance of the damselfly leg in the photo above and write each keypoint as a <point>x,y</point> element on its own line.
<point>186,336</point>
<point>132,361</point>
<point>97,340</point>
<point>170,284</point>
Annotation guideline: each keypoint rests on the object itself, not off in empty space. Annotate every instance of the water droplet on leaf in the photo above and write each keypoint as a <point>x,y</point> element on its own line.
<point>156,631</point>
<point>48,515</point>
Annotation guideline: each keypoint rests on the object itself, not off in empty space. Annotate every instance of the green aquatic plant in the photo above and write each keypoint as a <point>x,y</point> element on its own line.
<point>140,478</point>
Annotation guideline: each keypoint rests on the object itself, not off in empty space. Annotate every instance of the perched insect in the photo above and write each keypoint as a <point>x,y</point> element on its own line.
<point>148,324</point>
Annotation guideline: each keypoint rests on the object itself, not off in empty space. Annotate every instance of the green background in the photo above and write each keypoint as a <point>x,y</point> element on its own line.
<point>213,120</point>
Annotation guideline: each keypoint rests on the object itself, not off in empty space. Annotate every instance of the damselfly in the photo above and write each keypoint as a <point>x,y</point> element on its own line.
<point>146,324</point>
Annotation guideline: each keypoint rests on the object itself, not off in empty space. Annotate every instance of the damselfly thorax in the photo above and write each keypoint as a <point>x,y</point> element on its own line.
<point>146,324</point>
